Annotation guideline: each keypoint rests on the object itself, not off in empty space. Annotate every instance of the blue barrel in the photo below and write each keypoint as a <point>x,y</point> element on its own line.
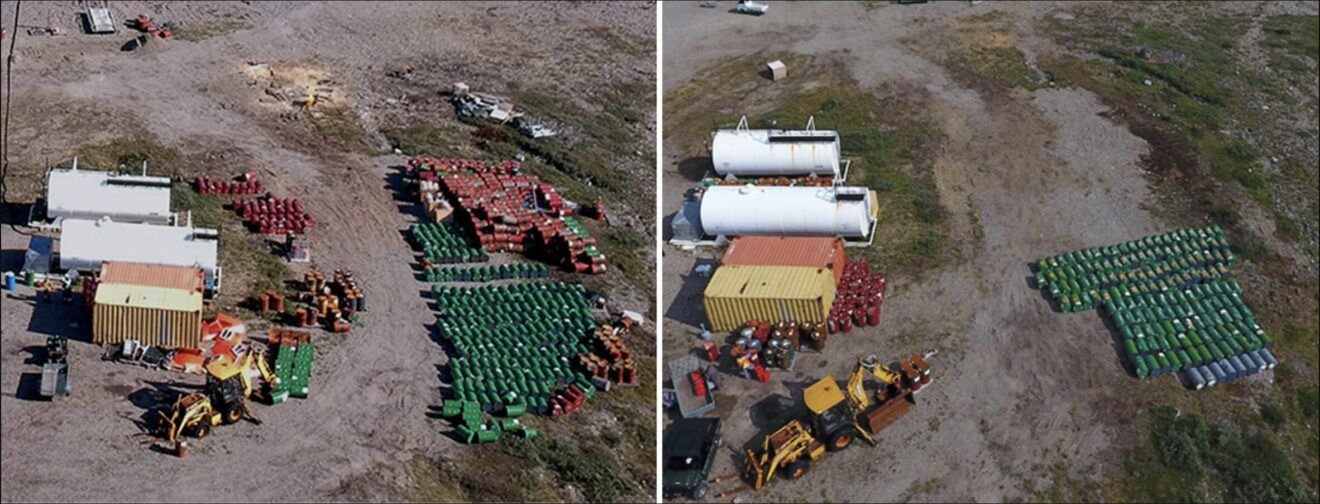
<point>1269,358</point>
<point>1208,376</point>
<point>1194,379</point>
<point>1251,365</point>
<point>1260,362</point>
<point>1238,366</point>
<point>1218,371</point>
<point>11,281</point>
<point>1254,358</point>
<point>1229,371</point>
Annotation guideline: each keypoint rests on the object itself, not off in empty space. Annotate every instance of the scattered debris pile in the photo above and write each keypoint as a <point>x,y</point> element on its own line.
<point>294,87</point>
<point>482,105</point>
<point>144,24</point>
<point>498,109</point>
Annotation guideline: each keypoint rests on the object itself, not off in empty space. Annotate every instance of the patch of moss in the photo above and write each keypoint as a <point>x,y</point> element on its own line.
<point>1186,460</point>
<point>425,140</point>
<point>591,468</point>
<point>339,127</point>
<point>202,30</point>
<point>128,153</point>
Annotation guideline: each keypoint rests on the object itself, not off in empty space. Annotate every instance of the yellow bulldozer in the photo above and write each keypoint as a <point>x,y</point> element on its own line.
<point>836,416</point>
<point>230,382</point>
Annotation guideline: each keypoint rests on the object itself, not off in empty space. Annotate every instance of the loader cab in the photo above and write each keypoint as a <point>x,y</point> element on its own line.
<point>226,397</point>
<point>832,419</point>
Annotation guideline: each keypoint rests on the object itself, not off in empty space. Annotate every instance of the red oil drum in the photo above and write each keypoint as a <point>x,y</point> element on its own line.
<point>873,315</point>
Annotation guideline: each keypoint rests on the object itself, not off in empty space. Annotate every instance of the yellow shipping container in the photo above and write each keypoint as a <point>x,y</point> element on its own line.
<point>737,294</point>
<point>156,316</point>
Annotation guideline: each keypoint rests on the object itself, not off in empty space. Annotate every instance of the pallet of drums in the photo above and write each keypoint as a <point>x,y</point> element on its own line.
<point>271,215</point>
<point>246,185</point>
<point>1083,279</point>
<point>294,353</point>
<point>422,164</point>
<point>574,247</point>
<point>858,298</point>
<point>1204,330</point>
<point>520,338</point>
<point>1173,301</point>
<point>612,360</point>
<point>507,211</point>
<point>444,243</point>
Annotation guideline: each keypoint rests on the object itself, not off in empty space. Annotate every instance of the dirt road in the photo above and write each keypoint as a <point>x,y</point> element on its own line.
<point>1018,387</point>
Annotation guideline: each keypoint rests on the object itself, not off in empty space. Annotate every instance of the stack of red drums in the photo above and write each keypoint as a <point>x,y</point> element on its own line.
<point>567,401</point>
<point>501,209</point>
<point>858,298</point>
<point>271,215</point>
<point>246,185</point>
<point>510,212</point>
<point>450,165</point>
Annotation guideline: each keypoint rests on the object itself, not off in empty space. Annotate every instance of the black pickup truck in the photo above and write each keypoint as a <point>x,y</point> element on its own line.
<point>689,450</point>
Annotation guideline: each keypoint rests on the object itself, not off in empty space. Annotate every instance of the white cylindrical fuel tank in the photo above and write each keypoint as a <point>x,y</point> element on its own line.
<point>787,211</point>
<point>767,153</point>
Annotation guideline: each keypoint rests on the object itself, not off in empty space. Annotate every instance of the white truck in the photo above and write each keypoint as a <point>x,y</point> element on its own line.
<point>752,7</point>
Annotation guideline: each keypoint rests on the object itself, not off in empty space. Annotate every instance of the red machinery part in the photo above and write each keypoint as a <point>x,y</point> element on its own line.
<point>762,374</point>
<point>698,383</point>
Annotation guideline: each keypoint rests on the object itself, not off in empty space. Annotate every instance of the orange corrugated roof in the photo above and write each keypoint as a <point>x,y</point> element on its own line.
<point>152,275</point>
<point>809,251</point>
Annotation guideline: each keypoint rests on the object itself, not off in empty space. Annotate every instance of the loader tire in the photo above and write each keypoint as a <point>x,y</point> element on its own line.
<point>797,469</point>
<point>841,439</point>
<point>233,414</point>
<point>202,431</point>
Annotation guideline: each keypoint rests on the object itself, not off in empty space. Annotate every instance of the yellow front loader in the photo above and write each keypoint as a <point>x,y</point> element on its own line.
<point>835,418</point>
<point>243,370</point>
<point>192,415</point>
